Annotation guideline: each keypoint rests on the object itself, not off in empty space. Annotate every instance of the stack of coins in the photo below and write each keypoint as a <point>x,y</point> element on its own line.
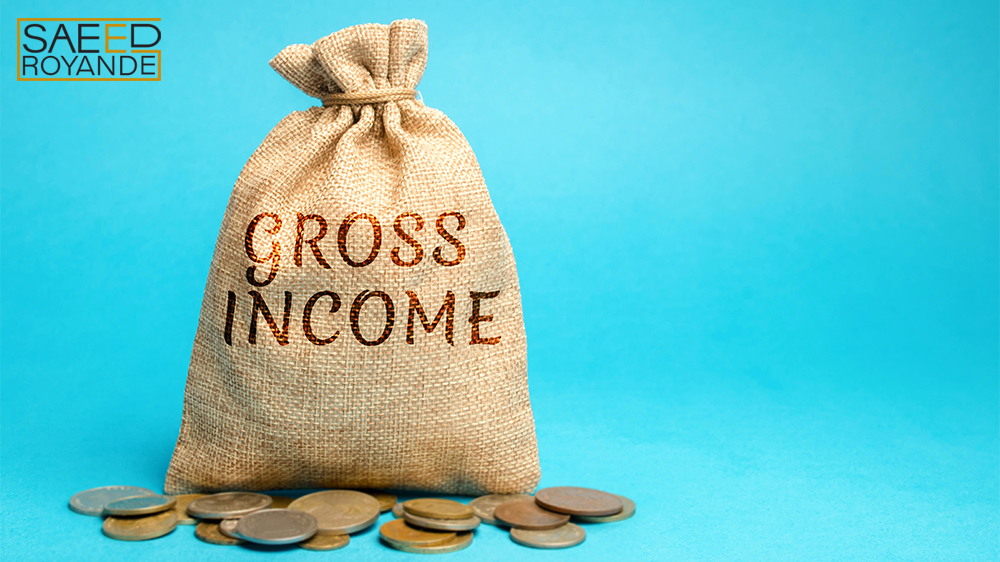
<point>544,521</point>
<point>430,526</point>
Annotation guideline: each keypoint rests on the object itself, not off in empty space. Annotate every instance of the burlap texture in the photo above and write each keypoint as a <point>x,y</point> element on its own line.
<point>275,404</point>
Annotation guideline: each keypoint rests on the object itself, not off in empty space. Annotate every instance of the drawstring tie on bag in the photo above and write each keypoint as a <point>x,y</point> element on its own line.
<point>372,96</point>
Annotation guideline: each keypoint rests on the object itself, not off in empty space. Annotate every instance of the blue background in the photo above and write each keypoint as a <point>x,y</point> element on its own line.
<point>757,241</point>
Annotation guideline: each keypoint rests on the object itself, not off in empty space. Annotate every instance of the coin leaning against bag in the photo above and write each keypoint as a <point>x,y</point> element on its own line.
<point>92,502</point>
<point>398,532</point>
<point>208,531</point>
<point>140,505</point>
<point>628,510</point>
<point>526,514</point>
<point>484,506</point>
<point>228,505</point>
<point>438,508</point>
<point>140,528</point>
<point>573,500</point>
<point>563,536</point>
<point>326,542</point>
<point>386,501</point>
<point>339,512</point>
<point>461,540</point>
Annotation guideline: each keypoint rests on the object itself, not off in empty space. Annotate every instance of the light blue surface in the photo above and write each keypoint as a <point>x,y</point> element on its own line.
<point>757,241</point>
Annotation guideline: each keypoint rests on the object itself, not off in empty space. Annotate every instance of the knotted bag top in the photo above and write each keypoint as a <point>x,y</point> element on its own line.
<point>370,63</point>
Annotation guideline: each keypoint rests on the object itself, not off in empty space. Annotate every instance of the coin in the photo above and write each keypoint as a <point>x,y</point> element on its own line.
<point>398,532</point>
<point>181,508</point>
<point>466,524</point>
<point>386,501</point>
<point>208,531</point>
<point>326,542</point>
<point>281,502</point>
<point>438,508</point>
<point>526,514</point>
<point>228,528</point>
<point>397,510</point>
<point>483,506</point>
<point>140,505</point>
<point>461,540</point>
<point>339,512</point>
<point>276,526</point>
<point>92,502</point>
<point>578,501</point>
<point>628,510</point>
<point>140,528</point>
<point>564,536</point>
<point>228,505</point>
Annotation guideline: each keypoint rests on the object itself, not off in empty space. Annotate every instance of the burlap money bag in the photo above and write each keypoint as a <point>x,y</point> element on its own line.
<point>361,325</point>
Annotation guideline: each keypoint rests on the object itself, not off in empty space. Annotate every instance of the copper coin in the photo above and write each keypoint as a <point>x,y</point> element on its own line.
<point>386,501</point>
<point>140,505</point>
<point>398,532</point>
<point>228,505</point>
<point>438,508</point>
<point>208,531</point>
<point>461,540</point>
<point>485,505</point>
<point>181,508</point>
<point>627,511</point>
<point>526,514</point>
<point>579,501</point>
<point>564,536</point>
<point>326,542</point>
<point>140,528</point>
<point>228,528</point>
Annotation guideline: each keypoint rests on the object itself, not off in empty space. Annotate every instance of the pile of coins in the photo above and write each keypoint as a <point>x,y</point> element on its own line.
<point>325,520</point>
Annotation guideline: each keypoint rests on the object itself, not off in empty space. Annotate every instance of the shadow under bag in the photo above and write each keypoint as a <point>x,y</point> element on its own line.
<point>361,325</point>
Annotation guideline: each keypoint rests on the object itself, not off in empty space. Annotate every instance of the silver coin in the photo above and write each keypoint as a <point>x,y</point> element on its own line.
<point>397,510</point>
<point>276,526</point>
<point>565,536</point>
<point>140,505</point>
<point>485,505</point>
<point>228,528</point>
<point>92,502</point>
<point>442,524</point>
<point>628,510</point>
<point>228,505</point>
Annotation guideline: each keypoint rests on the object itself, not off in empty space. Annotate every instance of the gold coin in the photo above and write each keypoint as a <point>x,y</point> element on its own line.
<point>627,511</point>
<point>208,531</point>
<point>441,524</point>
<point>140,528</point>
<point>228,505</point>
<point>566,536</point>
<point>339,512</point>
<point>485,505</point>
<point>326,542</point>
<point>281,502</point>
<point>181,508</point>
<point>386,501</point>
<point>398,532</point>
<point>438,509</point>
<point>461,540</point>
